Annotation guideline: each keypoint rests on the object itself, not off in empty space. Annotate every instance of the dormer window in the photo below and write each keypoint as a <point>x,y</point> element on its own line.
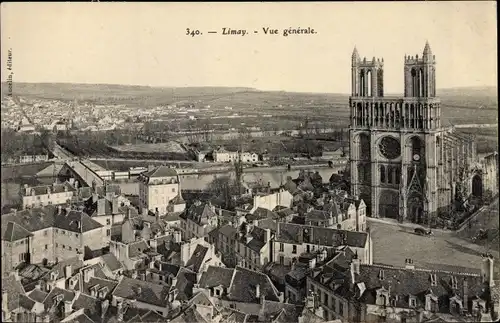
<point>381,274</point>
<point>454,282</point>
<point>412,302</point>
<point>433,280</point>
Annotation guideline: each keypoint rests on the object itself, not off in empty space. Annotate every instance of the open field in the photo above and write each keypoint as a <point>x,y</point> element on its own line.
<point>486,138</point>
<point>170,146</point>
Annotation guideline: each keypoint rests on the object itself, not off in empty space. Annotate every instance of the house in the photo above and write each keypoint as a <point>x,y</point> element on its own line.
<point>239,288</point>
<point>244,244</point>
<point>157,187</point>
<point>221,155</point>
<point>370,293</point>
<point>198,220</point>
<point>293,240</point>
<point>55,194</point>
<point>47,235</point>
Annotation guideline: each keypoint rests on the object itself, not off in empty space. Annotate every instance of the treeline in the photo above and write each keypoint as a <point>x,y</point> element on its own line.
<point>16,144</point>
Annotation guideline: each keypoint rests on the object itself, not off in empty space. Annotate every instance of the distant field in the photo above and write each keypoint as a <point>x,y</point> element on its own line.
<point>486,138</point>
<point>170,146</point>
<point>11,172</point>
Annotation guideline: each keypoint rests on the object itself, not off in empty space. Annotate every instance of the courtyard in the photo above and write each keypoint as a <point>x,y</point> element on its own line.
<point>394,243</point>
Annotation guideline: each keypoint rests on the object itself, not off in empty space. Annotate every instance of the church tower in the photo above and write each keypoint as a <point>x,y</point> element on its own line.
<point>393,149</point>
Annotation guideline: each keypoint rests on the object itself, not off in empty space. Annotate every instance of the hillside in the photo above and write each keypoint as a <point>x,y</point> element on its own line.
<point>459,105</point>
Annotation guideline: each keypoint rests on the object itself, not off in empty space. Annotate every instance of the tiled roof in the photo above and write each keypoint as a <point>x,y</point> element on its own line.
<point>151,317</point>
<point>82,318</point>
<point>243,286</point>
<point>261,213</point>
<point>49,300</point>
<point>185,282</point>
<point>280,312</point>
<point>190,315</point>
<point>405,282</point>
<point>216,276</point>
<point>75,263</point>
<point>142,291</point>
<point>97,283</point>
<point>26,302</point>
<point>48,216</point>
<point>37,295</point>
<point>161,171</point>
<point>111,262</point>
<point>135,249</point>
<point>14,290</point>
<point>194,263</point>
<point>199,214</point>
<point>15,232</point>
<point>44,189</point>
<point>317,215</point>
<point>296,233</point>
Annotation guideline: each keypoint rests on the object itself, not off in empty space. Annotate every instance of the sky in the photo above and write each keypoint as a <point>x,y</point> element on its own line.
<point>146,43</point>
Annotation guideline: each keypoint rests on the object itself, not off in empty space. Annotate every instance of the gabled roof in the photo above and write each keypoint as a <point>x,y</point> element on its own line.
<point>14,232</point>
<point>297,234</point>
<point>243,286</point>
<point>111,262</point>
<point>194,263</point>
<point>161,171</point>
<point>14,291</point>
<point>143,291</point>
<point>199,213</point>
<point>50,299</point>
<point>216,276</point>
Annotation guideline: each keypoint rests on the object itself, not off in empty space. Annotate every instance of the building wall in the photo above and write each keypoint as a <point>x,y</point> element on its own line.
<point>230,156</point>
<point>67,244</point>
<point>490,173</point>
<point>43,245</point>
<point>107,221</point>
<point>269,202</point>
<point>286,254</point>
<point>334,306</point>
<point>157,196</point>
<point>96,239</point>
<point>46,199</point>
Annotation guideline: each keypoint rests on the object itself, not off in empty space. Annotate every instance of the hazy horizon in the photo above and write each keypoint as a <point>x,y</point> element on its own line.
<point>144,44</point>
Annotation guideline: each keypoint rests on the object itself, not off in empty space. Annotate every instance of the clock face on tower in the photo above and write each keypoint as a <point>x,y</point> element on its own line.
<point>390,147</point>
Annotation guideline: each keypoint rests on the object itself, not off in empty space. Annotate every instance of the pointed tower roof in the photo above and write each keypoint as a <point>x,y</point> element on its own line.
<point>427,49</point>
<point>355,53</point>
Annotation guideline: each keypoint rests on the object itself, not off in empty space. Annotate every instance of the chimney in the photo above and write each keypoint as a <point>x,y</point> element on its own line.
<point>355,265</point>
<point>144,211</point>
<point>409,264</point>
<point>87,274</point>
<point>59,210</point>
<point>67,271</point>
<point>143,276</point>
<point>257,291</point>
<point>152,264</point>
<point>487,270</point>
<point>174,281</point>
<point>255,223</point>
<point>267,235</point>
<point>312,263</point>
<point>116,205</point>
<point>177,236</point>
<point>67,308</point>
<point>76,184</point>
<point>27,189</point>
<point>101,207</point>
<point>281,297</point>
<point>466,294</point>
<point>119,310</point>
<point>157,215</point>
<point>104,308</point>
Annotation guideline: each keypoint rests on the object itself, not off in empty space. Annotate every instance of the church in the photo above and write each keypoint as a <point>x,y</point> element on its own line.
<point>404,163</point>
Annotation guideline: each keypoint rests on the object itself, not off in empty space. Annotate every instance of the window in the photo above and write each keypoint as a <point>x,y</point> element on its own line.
<point>57,231</point>
<point>46,232</point>
<point>282,247</point>
<point>70,248</point>
<point>77,235</point>
<point>341,308</point>
<point>63,246</point>
<point>325,298</point>
<point>108,232</point>
<point>57,245</point>
<point>108,221</point>
<point>46,247</point>
<point>77,250</point>
<point>413,303</point>
<point>173,190</point>
<point>294,249</point>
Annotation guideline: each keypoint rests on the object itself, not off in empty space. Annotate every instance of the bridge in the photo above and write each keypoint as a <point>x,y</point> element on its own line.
<point>83,171</point>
